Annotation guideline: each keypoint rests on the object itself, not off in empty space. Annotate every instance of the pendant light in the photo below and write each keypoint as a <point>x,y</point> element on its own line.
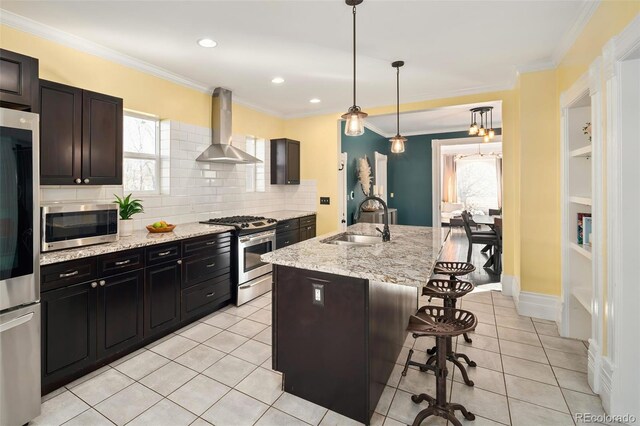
<point>354,116</point>
<point>486,123</point>
<point>397,142</point>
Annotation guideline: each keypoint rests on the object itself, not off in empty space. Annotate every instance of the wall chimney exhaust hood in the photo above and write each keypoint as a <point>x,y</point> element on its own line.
<point>221,150</point>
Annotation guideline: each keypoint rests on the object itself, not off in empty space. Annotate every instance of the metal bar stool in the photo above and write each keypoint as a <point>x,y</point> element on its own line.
<point>454,270</point>
<point>449,291</point>
<point>443,324</point>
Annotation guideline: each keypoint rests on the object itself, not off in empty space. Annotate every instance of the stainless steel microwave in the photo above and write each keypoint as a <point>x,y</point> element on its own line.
<point>76,225</point>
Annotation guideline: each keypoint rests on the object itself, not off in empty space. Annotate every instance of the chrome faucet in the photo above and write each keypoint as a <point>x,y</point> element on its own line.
<point>386,234</point>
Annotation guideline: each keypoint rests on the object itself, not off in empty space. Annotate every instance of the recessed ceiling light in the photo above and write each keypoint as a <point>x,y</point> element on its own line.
<point>207,42</point>
<point>314,101</point>
<point>277,80</point>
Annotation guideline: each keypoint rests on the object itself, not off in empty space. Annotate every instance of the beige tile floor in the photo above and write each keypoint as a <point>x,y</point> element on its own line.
<point>218,371</point>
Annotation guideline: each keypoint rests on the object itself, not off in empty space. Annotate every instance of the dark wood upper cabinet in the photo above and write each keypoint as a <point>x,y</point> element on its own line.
<point>120,308</point>
<point>285,162</point>
<point>101,139</point>
<point>80,136</point>
<point>18,81</point>
<point>60,133</point>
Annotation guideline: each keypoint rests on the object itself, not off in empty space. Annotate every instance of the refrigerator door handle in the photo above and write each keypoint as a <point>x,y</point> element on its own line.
<point>15,322</point>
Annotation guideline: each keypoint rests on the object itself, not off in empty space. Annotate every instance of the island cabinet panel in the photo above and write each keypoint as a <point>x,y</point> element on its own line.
<point>162,297</point>
<point>120,308</point>
<point>322,347</point>
<point>68,331</point>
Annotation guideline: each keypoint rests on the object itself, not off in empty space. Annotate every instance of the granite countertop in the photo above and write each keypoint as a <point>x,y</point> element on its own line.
<point>286,214</point>
<point>407,259</point>
<point>139,239</point>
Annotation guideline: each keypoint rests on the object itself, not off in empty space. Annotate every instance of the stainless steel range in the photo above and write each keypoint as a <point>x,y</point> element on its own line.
<point>256,235</point>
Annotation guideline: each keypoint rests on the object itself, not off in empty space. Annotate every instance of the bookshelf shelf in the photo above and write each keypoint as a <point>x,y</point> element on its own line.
<point>585,151</point>
<point>586,201</point>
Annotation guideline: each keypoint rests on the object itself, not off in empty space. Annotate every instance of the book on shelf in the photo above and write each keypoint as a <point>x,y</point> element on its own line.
<point>581,234</point>
<point>586,230</point>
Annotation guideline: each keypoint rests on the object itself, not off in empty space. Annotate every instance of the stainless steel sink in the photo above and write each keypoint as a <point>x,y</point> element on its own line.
<point>357,240</point>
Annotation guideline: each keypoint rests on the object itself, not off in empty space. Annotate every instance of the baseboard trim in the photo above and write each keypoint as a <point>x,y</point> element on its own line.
<point>594,366</point>
<point>510,285</point>
<point>606,379</point>
<point>537,305</point>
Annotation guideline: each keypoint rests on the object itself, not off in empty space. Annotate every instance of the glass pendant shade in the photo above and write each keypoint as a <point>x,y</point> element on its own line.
<point>486,138</point>
<point>481,131</point>
<point>355,121</point>
<point>473,130</point>
<point>492,133</point>
<point>397,144</point>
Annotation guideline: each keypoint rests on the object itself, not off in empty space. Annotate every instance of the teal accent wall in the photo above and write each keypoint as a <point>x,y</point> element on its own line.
<point>357,147</point>
<point>409,175</point>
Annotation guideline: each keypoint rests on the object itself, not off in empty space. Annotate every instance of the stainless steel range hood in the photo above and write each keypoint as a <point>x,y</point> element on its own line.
<point>221,150</point>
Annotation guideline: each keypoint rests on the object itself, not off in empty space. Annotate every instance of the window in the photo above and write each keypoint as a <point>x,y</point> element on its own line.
<point>477,183</point>
<point>141,168</point>
<point>255,177</point>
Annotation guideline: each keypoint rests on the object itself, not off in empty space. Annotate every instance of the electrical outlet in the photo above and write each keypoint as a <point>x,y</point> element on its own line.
<point>391,194</point>
<point>325,200</point>
<point>318,294</point>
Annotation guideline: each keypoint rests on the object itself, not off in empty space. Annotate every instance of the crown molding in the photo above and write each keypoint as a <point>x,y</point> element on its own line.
<point>376,129</point>
<point>535,67</point>
<point>38,29</point>
<point>569,38</point>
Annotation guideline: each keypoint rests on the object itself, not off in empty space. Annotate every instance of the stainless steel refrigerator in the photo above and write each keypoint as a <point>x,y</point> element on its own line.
<point>19,268</point>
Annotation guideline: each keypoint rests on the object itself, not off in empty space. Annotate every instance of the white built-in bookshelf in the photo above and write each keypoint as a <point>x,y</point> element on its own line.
<point>579,196</point>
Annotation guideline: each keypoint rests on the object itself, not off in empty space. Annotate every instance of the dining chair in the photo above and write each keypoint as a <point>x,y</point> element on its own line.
<point>477,237</point>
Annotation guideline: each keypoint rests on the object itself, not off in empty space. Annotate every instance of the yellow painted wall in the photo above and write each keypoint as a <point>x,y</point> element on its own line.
<point>140,91</point>
<point>539,183</point>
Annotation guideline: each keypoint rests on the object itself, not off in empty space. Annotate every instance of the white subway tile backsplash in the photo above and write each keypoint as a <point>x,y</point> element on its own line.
<point>197,191</point>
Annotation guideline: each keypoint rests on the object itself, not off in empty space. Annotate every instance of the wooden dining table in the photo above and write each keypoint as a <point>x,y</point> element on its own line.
<point>495,223</point>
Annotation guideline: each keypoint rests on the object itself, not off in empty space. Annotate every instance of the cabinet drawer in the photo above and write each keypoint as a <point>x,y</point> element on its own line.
<point>288,225</point>
<point>119,262</point>
<point>308,221</point>
<point>163,253</point>
<point>284,239</point>
<point>206,295</point>
<point>67,273</point>
<point>197,269</point>
<point>218,242</point>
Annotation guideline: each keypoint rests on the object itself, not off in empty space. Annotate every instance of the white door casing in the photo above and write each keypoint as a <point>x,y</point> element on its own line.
<point>343,193</point>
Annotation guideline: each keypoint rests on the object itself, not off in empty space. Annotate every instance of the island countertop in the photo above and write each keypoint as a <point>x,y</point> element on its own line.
<point>407,259</point>
<point>139,239</point>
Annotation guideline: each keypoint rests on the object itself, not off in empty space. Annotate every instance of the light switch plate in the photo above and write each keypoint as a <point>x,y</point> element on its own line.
<point>325,200</point>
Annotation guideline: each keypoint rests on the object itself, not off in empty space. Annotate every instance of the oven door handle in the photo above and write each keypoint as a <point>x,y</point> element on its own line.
<point>245,286</point>
<point>257,240</point>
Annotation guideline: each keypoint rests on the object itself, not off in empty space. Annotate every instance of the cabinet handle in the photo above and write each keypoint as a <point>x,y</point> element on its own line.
<point>165,253</point>
<point>210,243</point>
<point>286,242</point>
<point>78,180</point>
<point>211,265</point>
<point>102,283</point>
<point>86,180</point>
<point>211,294</point>
<point>179,262</point>
<point>94,284</point>
<point>123,262</point>
<point>309,228</point>
<point>69,274</point>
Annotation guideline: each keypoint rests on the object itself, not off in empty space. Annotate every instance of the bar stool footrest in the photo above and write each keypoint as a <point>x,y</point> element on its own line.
<point>446,411</point>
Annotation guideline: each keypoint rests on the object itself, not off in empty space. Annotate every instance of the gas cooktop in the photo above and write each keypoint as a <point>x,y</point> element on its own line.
<point>244,223</point>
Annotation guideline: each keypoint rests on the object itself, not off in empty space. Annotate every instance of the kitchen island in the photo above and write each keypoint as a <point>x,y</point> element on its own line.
<point>340,313</point>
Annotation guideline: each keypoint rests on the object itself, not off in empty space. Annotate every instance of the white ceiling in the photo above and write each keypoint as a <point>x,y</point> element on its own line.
<point>440,120</point>
<point>450,47</point>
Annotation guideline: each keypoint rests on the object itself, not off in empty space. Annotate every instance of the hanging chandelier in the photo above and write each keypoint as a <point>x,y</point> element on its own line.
<point>486,123</point>
<point>354,116</point>
<point>397,142</point>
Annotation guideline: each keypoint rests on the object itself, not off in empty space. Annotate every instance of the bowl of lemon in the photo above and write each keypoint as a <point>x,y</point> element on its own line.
<point>160,226</point>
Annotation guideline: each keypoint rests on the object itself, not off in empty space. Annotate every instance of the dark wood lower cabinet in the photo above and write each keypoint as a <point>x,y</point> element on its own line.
<point>68,331</point>
<point>120,308</point>
<point>162,297</point>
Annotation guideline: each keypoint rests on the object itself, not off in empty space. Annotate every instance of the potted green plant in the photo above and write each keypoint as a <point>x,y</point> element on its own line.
<point>128,208</point>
